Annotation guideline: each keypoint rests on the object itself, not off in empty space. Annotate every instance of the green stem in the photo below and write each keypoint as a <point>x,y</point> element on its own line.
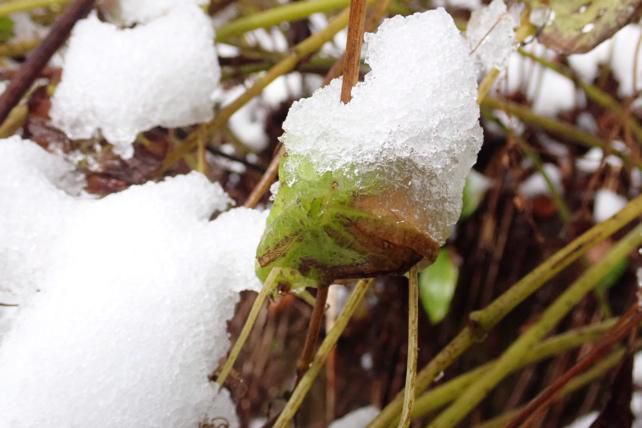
<point>329,342</point>
<point>597,371</point>
<point>511,358</point>
<point>444,394</point>
<point>484,320</point>
<point>267,289</point>
<point>411,365</point>
<point>7,8</point>
<point>562,208</point>
<point>554,126</point>
<point>315,65</point>
<point>276,15</point>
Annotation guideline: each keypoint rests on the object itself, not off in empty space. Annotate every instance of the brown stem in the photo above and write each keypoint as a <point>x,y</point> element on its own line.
<point>622,329</point>
<point>266,181</point>
<point>356,24</point>
<point>353,48</point>
<point>309,347</point>
<point>38,59</point>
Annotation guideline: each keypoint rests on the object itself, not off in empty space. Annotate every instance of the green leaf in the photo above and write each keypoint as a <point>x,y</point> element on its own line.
<point>474,190</point>
<point>6,29</point>
<point>580,25</point>
<point>437,284</point>
<point>338,224</point>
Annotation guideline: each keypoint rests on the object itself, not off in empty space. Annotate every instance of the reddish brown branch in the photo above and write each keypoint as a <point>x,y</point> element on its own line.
<point>266,181</point>
<point>353,48</point>
<point>40,56</point>
<point>627,323</point>
<point>310,345</point>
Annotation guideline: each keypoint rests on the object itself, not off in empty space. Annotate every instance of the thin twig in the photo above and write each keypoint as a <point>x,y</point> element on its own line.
<point>593,92</point>
<point>554,126</point>
<point>411,364</point>
<point>275,15</point>
<point>350,78</point>
<point>40,56</point>
<point>353,49</point>
<point>312,335</point>
<point>266,181</point>
<point>301,390</point>
<point>482,321</point>
<point>622,329</point>
<point>556,345</point>
<point>599,370</point>
<point>271,173</point>
<point>526,341</point>
<point>267,289</point>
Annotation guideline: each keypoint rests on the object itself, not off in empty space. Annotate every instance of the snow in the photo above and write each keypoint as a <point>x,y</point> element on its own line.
<point>548,91</point>
<point>584,421</point>
<point>619,53</point>
<point>459,4</point>
<point>248,123</point>
<point>119,82</point>
<point>636,400</point>
<point>414,119</point>
<point>591,161</point>
<point>536,185</point>
<point>490,35</point>
<point>128,12</point>
<point>134,293</point>
<point>359,418</point>
<point>31,180</point>
<point>606,204</point>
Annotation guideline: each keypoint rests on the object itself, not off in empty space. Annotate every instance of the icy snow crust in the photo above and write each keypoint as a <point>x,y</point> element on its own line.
<point>414,118</point>
<point>120,82</point>
<point>134,293</point>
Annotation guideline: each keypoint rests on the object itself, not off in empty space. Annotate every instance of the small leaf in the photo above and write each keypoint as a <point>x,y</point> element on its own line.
<point>437,285</point>
<point>6,29</point>
<point>474,190</point>
<point>580,25</point>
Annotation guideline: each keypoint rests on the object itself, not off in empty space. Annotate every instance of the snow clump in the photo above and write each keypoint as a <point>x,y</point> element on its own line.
<point>490,36</point>
<point>414,120</point>
<point>129,12</point>
<point>134,291</point>
<point>119,82</point>
<point>359,418</point>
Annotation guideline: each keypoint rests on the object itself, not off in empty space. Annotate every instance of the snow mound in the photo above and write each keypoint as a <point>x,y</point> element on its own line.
<point>33,186</point>
<point>414,120</point>
<point>359,418</point>
<point>128,12</point>
<point>134,293</point>
<point>120,82</point>
<point>607,203</point>
<point>490,35</point>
